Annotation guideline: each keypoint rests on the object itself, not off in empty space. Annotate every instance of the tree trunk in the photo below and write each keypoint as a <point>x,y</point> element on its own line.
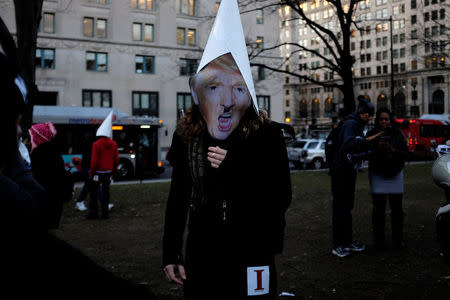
<point>28,16</point>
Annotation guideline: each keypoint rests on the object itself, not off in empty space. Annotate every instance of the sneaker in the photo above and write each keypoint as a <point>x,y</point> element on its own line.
<point>110,206</point>
<point>355,247</point>
<point>340,251</point>
<point>80,206</point>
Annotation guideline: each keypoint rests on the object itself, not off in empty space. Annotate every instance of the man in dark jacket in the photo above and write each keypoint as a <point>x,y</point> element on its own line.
<point>343,171</point>
<point>104,162</point>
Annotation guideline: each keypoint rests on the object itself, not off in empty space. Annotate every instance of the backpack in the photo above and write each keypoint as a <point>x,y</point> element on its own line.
<point>332,143</point>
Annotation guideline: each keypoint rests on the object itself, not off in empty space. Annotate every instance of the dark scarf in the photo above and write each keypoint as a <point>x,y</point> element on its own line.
<point>197,166</point>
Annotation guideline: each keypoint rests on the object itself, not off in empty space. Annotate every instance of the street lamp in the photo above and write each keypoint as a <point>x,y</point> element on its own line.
<point>391,50</point>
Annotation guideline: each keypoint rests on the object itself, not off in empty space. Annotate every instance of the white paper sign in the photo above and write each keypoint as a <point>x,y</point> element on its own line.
<point>258,280</point>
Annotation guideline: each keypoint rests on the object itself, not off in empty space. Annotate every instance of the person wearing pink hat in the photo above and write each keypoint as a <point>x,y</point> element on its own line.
<point>48,169</point>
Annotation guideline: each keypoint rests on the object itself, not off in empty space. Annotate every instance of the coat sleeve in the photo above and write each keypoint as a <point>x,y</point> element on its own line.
<point>24,198</point>
<point>281,191</point>
<point>177,205</point>
<point>116,158</point>
<point>94,159</point>
<point>352,140</point>
<point>400,146</point>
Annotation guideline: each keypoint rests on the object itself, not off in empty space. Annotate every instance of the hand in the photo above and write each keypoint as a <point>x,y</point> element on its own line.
<point>371,138</point>
<point>169,270</point>
<point>216,155</point>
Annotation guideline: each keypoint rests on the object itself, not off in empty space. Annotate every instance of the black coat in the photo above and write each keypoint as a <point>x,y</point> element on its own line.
<point>48,169</point>
<point>254,182</point>
<point>384,161</point>
<point>351,141</point>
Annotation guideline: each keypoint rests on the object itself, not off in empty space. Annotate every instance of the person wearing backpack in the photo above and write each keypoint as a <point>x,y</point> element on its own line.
<point>349,146</point>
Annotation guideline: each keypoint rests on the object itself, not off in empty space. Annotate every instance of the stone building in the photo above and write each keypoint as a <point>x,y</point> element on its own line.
<point>420,52</point>
<point>136,55</point>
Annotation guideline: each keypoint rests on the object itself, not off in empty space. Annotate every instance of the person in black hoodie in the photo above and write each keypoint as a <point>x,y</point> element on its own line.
<point>343,170</point>
<point>389,152</point>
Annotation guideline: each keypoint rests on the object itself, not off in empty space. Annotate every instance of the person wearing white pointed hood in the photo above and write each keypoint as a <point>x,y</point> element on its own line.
<point>230,176</point>
<point>104,162</point>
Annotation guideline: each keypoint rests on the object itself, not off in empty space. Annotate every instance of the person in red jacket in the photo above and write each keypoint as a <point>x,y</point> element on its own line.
<point>104,162</point>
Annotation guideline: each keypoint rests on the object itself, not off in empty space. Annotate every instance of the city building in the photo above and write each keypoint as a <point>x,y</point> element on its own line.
<point>137,55</point>
<point>419,46</point>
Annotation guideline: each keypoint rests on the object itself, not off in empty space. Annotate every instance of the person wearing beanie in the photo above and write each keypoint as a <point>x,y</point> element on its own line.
<point>343,171</point>
<point>104,163</point>
<point>48,169</point>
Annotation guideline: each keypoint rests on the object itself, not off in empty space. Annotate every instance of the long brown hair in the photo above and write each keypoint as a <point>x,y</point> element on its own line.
<point>192,124</point>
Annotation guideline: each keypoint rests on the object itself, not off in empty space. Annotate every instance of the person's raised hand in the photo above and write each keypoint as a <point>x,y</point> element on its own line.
<point>170,271</point>
<point>372,137</point>
<point>216,155</point>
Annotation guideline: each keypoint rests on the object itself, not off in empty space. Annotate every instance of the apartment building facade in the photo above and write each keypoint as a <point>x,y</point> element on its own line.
<point>420,52</point>
<point>135,55</point>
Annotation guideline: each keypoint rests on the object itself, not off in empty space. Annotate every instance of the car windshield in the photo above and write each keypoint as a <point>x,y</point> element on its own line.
<point>298,144</point>
<point>312,145</point>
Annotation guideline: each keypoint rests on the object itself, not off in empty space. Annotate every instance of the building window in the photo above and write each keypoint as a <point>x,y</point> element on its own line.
<point>100,27</point>
<point>303,108</point>
<point>260,16</point>
<point>97,61</point>
<point>97,1</point>
<point>315,108</point>
<point>142,4</point>
<point>145,104</point>
<point>328,107</point>
<point>413,4</point>
<point>145,64</point>
<point>88,27</point>
<point>184,101</point>
<point>413,19</point>
<point>414,50</point>
<point>264,103</point>
<point>217,5</point>
<point>188,67</point>
<point>184,35</point>
<point>262,73</point>
<point>442,13</point>
<point>101,30</point>
<point>143,32</point>
<point>45,58</point>
<point>186,7</point>
<point>414,65</point>
<point>48,22</point>
<point>96,98</point>
<point>259,42</point>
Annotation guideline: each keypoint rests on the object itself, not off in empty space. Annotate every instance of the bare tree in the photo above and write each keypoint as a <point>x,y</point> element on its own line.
<point>28,17</point>
<point>335,38</point>
<point>434,35</point>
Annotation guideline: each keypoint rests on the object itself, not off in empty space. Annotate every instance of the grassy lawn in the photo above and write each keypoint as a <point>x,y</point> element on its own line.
<point>129,243</point>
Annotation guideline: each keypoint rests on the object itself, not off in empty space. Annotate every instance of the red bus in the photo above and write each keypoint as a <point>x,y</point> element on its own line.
<point>424,134</point>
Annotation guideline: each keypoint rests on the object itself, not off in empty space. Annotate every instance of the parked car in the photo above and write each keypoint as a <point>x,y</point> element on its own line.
<point>304,153</point>
<point>313,154</point>
<point>294,151</point>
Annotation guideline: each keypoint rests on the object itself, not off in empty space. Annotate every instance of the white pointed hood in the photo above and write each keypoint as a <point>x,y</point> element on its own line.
<point>227,36</point>
<point>106,128</point>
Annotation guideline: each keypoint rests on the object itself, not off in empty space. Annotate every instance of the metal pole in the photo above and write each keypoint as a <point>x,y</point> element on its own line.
<point>392,65</point>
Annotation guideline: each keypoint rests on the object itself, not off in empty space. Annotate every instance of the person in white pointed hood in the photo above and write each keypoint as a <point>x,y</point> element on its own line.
<point>104,162</point>
<point>230,176</point>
